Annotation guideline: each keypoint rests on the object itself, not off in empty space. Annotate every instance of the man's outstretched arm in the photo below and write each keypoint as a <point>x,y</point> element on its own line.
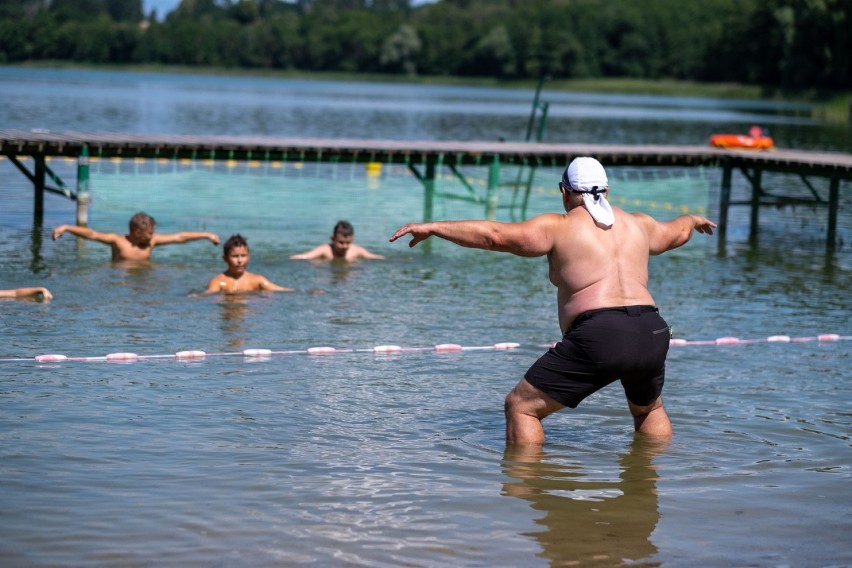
<point>529,238</point>
<point>184,237</point>
<point>86,233</point>
<point>668,235</point>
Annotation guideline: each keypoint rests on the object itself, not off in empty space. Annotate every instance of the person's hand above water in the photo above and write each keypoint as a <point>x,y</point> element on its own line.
<point>418,231</point>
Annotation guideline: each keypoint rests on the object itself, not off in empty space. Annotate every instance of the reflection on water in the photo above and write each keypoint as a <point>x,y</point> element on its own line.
<point>589,519</point>
<point>341,270</point>
<point>233,312</point>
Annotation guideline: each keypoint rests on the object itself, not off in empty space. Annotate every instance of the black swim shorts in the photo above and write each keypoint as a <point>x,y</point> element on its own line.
<point>602,346</point>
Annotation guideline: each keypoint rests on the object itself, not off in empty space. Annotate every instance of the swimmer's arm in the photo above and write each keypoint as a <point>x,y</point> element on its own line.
<point>667,235</point>
<point>86,233</point>
<point>183,237</point>
<point>361,252</point>
<point>322,251</point>
<point>27,293</point>
<point>267,286</point>
<point>533,237</point>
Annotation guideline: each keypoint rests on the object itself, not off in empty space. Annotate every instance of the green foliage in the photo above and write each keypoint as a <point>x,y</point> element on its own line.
<point>779,44</point>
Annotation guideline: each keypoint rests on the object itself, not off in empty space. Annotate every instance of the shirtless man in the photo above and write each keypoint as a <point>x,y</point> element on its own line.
<point>236,279</point>
<point>598,257</point>
<point>140,240</point>
<point>340,247</point>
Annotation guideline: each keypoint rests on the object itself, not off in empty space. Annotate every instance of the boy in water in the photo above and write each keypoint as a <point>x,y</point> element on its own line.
<point>39,292</point>
<point>236,279</point>
<point>340,247</point>
<point>140,240</point>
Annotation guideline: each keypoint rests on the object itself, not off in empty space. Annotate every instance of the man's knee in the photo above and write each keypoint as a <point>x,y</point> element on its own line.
<point>643,410</point>
<point>512,401</point>
<point>529,400</point>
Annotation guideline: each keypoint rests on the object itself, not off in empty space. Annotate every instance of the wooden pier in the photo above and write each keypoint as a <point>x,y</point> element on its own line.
<point>431,156</point>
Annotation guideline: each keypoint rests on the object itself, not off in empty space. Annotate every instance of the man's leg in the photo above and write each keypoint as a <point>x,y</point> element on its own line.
<point>651,419</point>
<point>525,407</point>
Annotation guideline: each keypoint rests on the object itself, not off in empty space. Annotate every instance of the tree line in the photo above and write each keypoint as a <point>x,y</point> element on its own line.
<point>780,44</point>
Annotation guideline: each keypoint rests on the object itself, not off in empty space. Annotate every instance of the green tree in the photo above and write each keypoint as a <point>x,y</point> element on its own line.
<point>400,50</point>
<point>493,55</point>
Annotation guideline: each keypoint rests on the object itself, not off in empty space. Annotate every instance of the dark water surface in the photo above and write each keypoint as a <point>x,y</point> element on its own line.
<point>367,459</point>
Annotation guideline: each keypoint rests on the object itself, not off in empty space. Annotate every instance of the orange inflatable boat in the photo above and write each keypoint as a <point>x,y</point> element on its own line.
<point>756,139</point>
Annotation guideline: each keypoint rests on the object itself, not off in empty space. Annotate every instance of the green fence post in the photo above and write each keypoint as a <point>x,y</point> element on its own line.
<point>83,197</point>
<point>493,187</point>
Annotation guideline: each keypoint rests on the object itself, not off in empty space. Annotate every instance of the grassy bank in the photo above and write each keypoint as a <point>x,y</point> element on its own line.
<point>833,107</point>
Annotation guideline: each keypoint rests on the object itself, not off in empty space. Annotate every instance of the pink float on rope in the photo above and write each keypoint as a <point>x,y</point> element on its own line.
<point>678,342</point>
<point>50,358</point>
<point>448,347</point>
<point>727,340</point>
<point>190,354</point>
<point>321,350</point>
<point>257,352</point>
<point>122,357</point>
<point>506,345</point>
<point>778,339</point>
<point>387,349</point>
<point>828,337</point>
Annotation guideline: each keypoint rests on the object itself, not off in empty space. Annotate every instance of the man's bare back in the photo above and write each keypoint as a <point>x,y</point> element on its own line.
<point>594,267</point>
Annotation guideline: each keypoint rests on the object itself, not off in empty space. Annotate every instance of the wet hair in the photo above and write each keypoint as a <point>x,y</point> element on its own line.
<point>235,241</point>
<point>141,221</point>
<point>343,228</point>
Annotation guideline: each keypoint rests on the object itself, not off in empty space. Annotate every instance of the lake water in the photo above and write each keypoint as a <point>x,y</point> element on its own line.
<point>366,459</point>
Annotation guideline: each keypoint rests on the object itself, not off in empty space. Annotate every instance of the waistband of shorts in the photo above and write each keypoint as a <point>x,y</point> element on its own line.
<point>629,310</point>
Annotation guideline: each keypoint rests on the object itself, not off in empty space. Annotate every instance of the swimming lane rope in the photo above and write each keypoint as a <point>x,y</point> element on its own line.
<point>260,354</point>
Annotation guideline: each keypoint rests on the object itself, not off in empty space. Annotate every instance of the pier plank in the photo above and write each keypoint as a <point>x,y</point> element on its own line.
<point>414,152</point>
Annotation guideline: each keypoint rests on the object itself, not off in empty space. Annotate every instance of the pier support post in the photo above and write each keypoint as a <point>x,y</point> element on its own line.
<point>39,172</point>
<point>83,198</point>
<point>724,203</point>
<point>833,204</point>
<point>755,206</point>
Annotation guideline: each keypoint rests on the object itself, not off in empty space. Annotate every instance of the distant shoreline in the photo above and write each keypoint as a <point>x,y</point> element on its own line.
<point>831,107</point>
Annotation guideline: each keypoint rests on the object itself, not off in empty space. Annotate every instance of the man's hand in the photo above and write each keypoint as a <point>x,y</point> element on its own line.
<point>703,225</point>
<point>418,232</point>
<point>58,231</point>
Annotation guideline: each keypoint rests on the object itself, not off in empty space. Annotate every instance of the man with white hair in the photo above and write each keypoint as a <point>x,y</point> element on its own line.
<point>612,330</point>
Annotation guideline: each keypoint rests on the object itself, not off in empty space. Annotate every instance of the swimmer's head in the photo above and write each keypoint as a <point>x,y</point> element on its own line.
<point>235,241</point>
<point>141,228</point>
<point>141,221</point>
<point>344,228</point>
<point>341,238</point>
<point>236,255</point>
